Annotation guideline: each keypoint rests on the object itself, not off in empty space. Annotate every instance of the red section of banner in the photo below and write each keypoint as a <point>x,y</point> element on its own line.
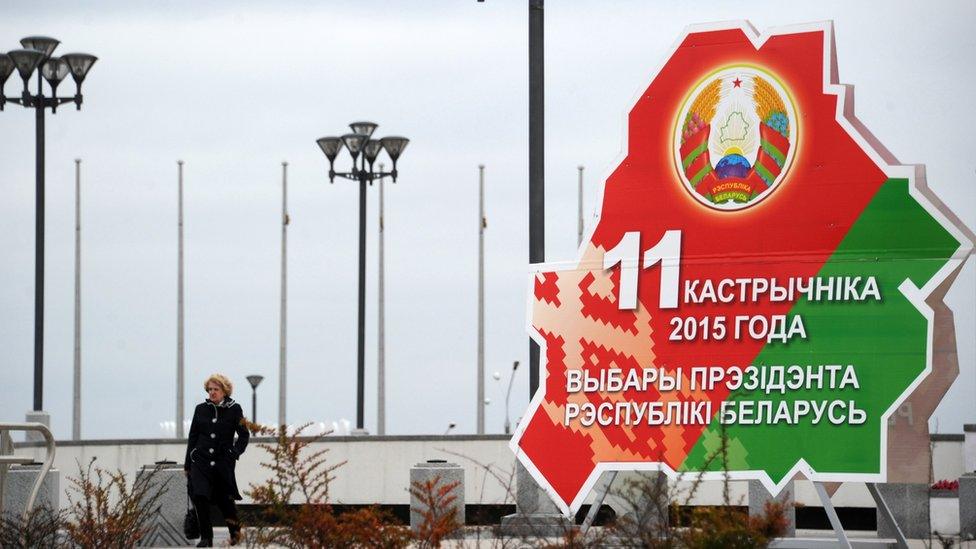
<point>603,309</point>
<point>556,384</point>
<point>563,468</point>
<point>545,288</point>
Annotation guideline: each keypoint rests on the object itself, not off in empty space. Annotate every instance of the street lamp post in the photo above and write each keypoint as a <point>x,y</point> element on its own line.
<point>381,325</point>
<point>364,151</point>
<point>254,380</point>
<point>537,157</point>
<point>36,56</point>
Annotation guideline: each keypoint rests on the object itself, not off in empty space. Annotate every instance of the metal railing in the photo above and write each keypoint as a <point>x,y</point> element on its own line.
<point>7,459</point>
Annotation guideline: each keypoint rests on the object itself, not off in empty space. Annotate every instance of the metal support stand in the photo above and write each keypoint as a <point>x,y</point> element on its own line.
<point>824,499</point>
<point>883,507</point>
<point>828,506</point>
<point>842,539</point>
<point>597,503</point>
<point>832,515</point>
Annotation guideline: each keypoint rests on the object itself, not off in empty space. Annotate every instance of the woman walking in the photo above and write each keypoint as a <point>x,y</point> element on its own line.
<point>212,453</point>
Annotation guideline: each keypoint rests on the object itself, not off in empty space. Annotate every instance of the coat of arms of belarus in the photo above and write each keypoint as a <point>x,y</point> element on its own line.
<point>760,292</point>
<point>734,142</point>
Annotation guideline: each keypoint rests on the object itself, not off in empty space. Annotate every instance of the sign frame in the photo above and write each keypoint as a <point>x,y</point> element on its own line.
<point>918,190</point>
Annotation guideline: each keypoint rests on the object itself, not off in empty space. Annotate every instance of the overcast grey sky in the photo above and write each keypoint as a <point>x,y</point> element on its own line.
<point>233,89</point>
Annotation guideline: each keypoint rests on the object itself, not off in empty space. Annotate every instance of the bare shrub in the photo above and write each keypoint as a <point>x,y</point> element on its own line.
<point>724,527</point>
<point>107,511</point>
<point>437,510</point>
<point>300,474</point>
<point>40,529</point>
<point>652,515</point>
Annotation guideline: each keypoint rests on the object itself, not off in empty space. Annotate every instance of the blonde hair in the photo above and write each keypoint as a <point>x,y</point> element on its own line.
<point>221,380</point>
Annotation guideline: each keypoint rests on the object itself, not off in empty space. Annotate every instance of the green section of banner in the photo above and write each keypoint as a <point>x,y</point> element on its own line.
<point>885,341</point>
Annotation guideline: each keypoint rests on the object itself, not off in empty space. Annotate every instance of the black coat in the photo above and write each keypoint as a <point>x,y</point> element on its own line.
<point>211,452</point>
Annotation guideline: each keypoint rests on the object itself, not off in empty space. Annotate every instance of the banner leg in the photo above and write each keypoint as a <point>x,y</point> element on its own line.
<point>832,515</point>
<point>597,503</point>
<point>886,512</point>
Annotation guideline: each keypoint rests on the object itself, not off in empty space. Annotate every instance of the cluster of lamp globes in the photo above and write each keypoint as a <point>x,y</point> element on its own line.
<point>36,56</point>
<point>360,141</point>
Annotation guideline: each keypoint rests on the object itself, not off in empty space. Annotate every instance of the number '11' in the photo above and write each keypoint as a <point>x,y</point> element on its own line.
<point>667,252</point>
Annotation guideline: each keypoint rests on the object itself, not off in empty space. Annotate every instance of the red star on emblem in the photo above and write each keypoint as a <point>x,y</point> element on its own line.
<point>737,83</point>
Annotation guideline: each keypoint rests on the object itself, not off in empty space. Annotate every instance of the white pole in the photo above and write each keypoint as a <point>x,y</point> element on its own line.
<point>179,308</point>
<point>579,209</point>
<point>381,333</point>
<point>283,335</point>
<point>481,299</point>
<point>76,423</point>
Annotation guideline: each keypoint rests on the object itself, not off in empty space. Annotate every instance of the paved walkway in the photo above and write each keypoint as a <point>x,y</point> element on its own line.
<point>858,539</point>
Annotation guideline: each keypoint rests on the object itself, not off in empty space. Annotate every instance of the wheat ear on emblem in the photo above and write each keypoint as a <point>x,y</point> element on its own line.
<point>774,132</point>
<point>695,131</point>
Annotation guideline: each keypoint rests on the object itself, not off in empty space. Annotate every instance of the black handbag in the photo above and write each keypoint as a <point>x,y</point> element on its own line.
<point>191,524</point>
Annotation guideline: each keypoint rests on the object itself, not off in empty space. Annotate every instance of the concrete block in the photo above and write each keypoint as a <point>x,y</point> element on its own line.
<point>969,447</point>
<point>646,503</point>
<point>967,505</point>
<point>758,496</point>
<point>909,505</point>
<point>530,499</point>
<point>19,483</point>
<point>166,525</point>
<point>442,474</point>
<point>535,512</point>
<point>944,511</point>
<point>37,416</point>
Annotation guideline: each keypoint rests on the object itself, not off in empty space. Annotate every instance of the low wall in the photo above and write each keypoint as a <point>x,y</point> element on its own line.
<point>377,468</point>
